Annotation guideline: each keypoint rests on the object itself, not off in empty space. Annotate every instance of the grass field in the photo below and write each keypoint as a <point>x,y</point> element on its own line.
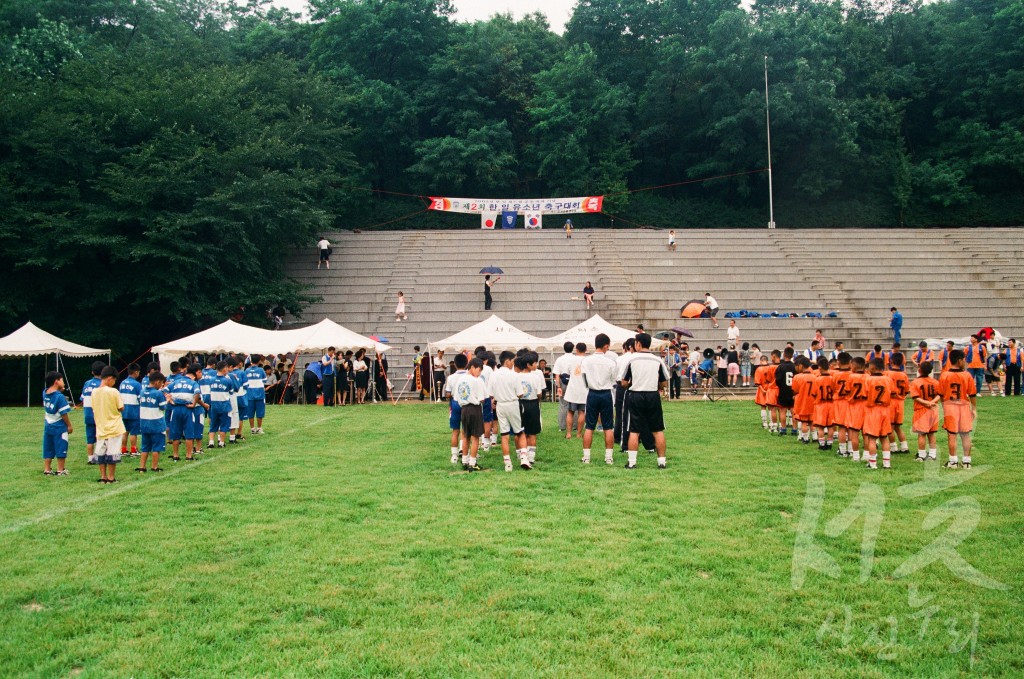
<point>327,549</point>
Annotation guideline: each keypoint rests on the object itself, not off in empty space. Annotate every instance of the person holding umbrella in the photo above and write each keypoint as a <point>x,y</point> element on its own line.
<point>488,283</point>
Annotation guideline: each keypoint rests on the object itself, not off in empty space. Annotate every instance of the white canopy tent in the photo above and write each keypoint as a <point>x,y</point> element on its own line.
<point>494,333</point>
<point>589,329</point>
<point>29,341</point>
<point>231,336</point>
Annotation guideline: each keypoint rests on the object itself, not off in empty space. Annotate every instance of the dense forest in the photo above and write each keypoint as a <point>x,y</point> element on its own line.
<point>158,157</point>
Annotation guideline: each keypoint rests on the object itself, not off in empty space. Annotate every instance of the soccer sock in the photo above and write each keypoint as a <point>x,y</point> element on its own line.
<point>933,453</point>
<point>455,451</point>
<point>661,462</point>
<point>922,453</point>
<point>532,452</point>
<point>465,459</point>
<point>507,459</point>
<point>764,416</point>
<point>472,460</point>
<point>814,435</point>
<point>494,439</point>
<point>952,459</point>
<point>231,438</point>
<point>886,458</point>
<point>892,447</point>
<point>967,459</point>
<point>904,446</point>
<point>631,454</point>
<point>586,454</point>
<point>608,453</point>
<point>842,449</point>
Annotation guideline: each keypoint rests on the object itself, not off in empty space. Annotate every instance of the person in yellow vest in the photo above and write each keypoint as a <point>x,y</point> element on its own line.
<point>1013,363</point>
<point>975,356</point>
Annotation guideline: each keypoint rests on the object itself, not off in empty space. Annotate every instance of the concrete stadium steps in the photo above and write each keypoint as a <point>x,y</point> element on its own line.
<point>947,282</point>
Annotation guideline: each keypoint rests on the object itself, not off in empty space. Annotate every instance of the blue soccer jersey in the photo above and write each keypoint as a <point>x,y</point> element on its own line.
<point>209,375</point>
<point>90,386</point>
<point>239,379</point>
<point>55,406</point>
<point>221,389</point>
<point>130,391</point>
<point>152,404</point>
<point>183,391</point>
<point>256,383</point>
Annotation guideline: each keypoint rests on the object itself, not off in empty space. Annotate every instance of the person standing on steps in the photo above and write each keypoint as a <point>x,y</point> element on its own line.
<point>325,252</point>
<point>896,323</point>
<point>711,304</point>
<point>568,228</point>
<point>488,284</point>
<point>400,314</point>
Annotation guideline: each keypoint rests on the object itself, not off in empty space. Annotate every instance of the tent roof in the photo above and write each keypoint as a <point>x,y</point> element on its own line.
<point>589,329</point>
<point>231,336</point>
<point>494,333</point>
<point>30,340</point>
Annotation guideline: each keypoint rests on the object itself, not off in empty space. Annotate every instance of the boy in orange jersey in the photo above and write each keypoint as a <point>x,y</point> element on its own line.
<point>925,392</point>
<point>902,384</point>
<point>858,405</point>
<point>772,391</point>
<point>824,394</point>
<point>841,400</point>
<point>878,414</point>
<point>803,398</point>
<point>761,395</point>
<point>957,389</point>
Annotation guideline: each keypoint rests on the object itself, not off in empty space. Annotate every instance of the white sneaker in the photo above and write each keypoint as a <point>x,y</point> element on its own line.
<point>455,458</point>
<point>608,460</point>
<point>585,460</point>
<point>508,465</point>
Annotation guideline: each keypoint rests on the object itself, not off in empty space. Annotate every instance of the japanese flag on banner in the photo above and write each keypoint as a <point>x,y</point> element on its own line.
<point>533,220</point>
<point>488,220</point>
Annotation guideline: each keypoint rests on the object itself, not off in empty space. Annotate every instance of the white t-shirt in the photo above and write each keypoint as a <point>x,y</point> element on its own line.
<point>561,367</point>
<point>733,333</point>
<point>533,384</point>
<point>452,383</point>
<point>693,358</point>
<point>646,371</point>
<point>576,390</point>
<point>621,363</point>
<point>505,385</point>
<point>711,302</point>
<point>324,244</point>
<point>476,392</point>
<point>600,370</point>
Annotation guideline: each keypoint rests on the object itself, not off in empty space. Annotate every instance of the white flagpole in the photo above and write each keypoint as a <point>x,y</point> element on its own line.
<point>768,126</point>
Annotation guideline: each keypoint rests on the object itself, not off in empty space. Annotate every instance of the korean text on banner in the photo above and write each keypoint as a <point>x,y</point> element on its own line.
<point>550,206</point>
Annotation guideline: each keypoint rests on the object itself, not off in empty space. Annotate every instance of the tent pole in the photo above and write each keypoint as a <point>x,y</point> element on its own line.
<point>28,383</point>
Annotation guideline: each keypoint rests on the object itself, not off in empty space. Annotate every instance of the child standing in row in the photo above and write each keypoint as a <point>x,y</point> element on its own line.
<point>86,400</point>
<point>925,392</point>
<point>451,388</point>
<point>107,407</point>
<point>131,389</point>
<point>56,425</point>
<point>507,389</point>
<point>472,392</point>
<point>152,404</point>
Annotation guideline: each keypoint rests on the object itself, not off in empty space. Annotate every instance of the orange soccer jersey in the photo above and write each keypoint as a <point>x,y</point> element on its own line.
<point>926,420</point>
<point>841,397</point>
<point>878,416</point>
<point>760,381</point>
<point>957,389</point>
<point>858,400</point>
<point>803,397</point>
<point>824,396</point>
<point>902,385</point>
<point>771,392</point>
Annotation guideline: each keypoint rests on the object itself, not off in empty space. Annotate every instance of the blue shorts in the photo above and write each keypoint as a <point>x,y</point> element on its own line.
<point>488,409</point>
<point>258,408</point>
<point>194,428</point>
<point>90,433</point>
<point>220,422</point>
<point>181,419</point>
<point>154,443</point>
<point>55,444</point>
<point>244,408</point>
<point>455,416</point>
<point>599,404</point>
<point>133,427</point>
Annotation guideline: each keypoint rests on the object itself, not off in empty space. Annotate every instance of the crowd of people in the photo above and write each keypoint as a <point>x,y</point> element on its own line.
<point>498,396</point>
<point>138,418</point>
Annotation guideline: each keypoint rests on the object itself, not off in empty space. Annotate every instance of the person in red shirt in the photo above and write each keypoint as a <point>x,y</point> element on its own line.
<point>902,384</point>
<point>958,390</point>
<point>824,393</point>
<point>803,398</point>
<point>841,401</point>
<point>878,413</point>
<point>858,406</point>
<point>925,392</point>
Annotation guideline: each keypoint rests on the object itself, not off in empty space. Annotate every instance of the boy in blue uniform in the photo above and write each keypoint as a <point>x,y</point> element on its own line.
<point>171,379</point>
<point>241,412</point>
<point>221,389</point>
<point>152,405</point>
<point>57,425</point>
<point>86,400</point>
<point>256,388</point>
<point>194,432</point>
<point>209,375</point>
<point>130,391</point>
<point>184,397</point>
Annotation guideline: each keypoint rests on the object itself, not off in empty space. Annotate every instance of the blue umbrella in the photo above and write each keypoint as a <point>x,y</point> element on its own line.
<point>491,269</point>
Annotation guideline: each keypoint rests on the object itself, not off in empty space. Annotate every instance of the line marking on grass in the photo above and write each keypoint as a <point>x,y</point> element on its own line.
<point>123,486</point>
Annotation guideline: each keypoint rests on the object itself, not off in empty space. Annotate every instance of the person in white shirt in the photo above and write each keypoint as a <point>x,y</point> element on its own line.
<point>576,393</point>
<point>325,252</point>
<point>560,376</point>
<point>814,353</point>
<point>471,393</point>
<point>599,370</point>
<point>711,304</point>
<point>672,240</point>
<point>451,388</point>
<point>645,376</point>
<point>490,436</point>
<point>534,384</point>
<point>507,388</point>
<point>732,333</point>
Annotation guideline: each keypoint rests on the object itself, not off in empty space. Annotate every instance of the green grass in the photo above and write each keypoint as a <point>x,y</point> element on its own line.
<point>342,543</point>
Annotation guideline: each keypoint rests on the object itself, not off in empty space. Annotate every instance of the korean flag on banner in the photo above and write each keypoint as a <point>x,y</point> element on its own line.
<point>533,220</point>
<point>508,219</point>
<point>488,219</point>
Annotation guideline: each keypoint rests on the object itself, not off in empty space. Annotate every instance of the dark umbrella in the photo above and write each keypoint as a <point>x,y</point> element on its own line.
<point>684,332</point>
<point>491,269</point>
